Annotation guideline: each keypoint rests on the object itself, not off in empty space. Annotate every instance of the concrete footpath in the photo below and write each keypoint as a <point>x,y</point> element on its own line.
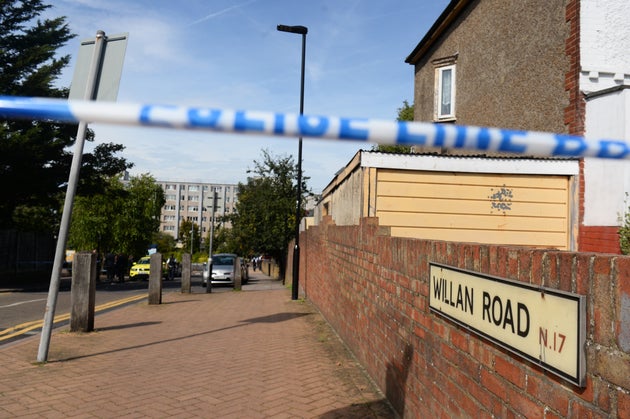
<point>248,354</point>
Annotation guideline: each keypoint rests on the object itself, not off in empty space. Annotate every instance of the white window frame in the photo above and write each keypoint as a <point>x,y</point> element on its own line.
<point>439,92</point>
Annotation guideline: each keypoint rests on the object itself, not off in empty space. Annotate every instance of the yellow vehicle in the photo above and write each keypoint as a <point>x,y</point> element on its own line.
<point>141,268</point>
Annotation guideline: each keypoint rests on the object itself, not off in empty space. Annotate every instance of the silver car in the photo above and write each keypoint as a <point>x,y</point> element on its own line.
<point>222,269</point>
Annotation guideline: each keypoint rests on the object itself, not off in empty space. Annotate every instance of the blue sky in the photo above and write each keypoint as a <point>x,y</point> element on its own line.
<point>228,54</point>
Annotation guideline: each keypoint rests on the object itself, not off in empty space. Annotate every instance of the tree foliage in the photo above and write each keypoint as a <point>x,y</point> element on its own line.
<point>122,219</point>
<point>405,113</point>
<point>165,244</point>
<point>34,156</point>
<point>624,231</point>
<point>265,220</point>
<point>189,235</point>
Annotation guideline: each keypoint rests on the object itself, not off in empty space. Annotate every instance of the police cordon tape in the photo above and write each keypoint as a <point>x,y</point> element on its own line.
<point>482,139</point>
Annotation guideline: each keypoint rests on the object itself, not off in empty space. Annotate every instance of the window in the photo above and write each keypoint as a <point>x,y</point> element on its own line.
<point>193,188</point>
<point>171,197</point>
<point>445,95</point>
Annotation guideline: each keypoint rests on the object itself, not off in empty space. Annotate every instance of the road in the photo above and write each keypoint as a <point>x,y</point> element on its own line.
<point>22,312</point>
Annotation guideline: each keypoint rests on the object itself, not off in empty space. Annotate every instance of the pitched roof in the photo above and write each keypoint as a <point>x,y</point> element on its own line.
<point>452,11</point>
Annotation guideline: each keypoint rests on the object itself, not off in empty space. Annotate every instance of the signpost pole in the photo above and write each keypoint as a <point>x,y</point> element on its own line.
<point>214,206</point>
<point>53,291</point>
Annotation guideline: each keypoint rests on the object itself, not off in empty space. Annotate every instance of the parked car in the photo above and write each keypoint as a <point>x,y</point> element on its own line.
<point>142,268</point>
<point>223,270</point>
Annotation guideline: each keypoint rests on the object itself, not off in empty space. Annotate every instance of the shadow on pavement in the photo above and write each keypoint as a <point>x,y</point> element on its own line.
<point>377,409</point>
<point>125,326</point>
<point>274,318</point>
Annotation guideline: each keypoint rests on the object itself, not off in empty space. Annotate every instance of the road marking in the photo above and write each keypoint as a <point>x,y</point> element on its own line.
<point>21,329</point>
<point>23,302</point>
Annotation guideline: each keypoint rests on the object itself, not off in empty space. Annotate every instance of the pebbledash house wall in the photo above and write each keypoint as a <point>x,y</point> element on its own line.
<point>373,290</point>
<point>557,66</point>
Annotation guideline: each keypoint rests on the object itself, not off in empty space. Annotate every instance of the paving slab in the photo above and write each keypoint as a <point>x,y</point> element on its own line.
<point>240,354</point>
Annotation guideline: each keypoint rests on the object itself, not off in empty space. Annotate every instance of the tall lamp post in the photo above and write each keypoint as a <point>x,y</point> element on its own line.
<point>301,30</point>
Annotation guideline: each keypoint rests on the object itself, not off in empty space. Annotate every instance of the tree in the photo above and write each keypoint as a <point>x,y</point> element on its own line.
<point>405,113</point>
<point>189,234</point>
<point>34,157</point>
<point>165,243</point>
<point>223,242</point>
<point>90,227</point>
<point>624,231</point>
<point>139,217</point>
<point>122,219</point>
<point>264,221</point>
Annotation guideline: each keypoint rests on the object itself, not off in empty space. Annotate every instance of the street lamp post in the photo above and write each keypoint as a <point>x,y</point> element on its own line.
<point>301,30</point>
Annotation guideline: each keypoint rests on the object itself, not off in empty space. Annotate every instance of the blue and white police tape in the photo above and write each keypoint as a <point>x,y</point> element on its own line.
<point>480,139</point>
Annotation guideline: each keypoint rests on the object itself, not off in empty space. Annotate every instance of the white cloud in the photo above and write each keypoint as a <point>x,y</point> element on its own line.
<point>227,54</point>
<point>221,12</point>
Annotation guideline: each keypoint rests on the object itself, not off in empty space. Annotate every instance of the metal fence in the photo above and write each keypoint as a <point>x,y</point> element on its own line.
<point>24,252</point>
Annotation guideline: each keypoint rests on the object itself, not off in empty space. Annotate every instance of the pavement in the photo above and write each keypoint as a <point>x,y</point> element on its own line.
<point>253,353</point>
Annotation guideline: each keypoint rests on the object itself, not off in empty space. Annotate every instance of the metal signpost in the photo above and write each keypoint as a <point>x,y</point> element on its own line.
<point>95,73</point>
<point>214,206</point>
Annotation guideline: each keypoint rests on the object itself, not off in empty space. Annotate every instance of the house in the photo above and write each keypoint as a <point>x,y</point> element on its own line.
<point>525,202</point>
<point>559,66</point>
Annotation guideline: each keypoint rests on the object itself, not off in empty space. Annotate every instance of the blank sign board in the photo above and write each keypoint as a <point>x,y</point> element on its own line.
<point>108,78</point>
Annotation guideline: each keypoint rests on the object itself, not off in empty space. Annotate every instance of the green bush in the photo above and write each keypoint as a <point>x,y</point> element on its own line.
<point>624,232</point>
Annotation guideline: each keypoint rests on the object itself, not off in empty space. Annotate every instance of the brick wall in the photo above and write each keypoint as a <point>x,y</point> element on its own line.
<point>575,112</point>
<point>373,289</point>
<point>601,239</point>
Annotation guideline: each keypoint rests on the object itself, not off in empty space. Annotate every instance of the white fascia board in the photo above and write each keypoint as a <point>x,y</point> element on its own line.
<point>470,164</point>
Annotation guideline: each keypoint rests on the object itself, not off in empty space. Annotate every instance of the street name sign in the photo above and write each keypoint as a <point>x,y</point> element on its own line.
<point>540,324</point>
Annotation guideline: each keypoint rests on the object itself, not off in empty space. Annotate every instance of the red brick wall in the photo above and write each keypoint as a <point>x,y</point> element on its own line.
<point>373,289</point>
<point>602,239</point>
<point>574,113</point>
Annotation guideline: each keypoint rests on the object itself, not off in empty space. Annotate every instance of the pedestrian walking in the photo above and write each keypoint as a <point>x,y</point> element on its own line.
<point>110,266</point>
<point>121,267</point>
<point>171,264</point>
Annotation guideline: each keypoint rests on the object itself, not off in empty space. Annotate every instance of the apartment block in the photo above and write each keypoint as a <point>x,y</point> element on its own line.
<point>193,202</point>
